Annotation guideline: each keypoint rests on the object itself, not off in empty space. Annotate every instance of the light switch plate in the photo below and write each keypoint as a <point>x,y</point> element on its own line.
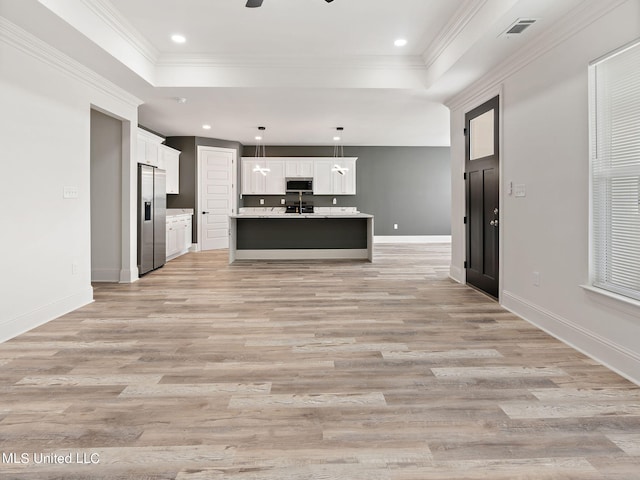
<point>520,190</point>
<point>70,192</point>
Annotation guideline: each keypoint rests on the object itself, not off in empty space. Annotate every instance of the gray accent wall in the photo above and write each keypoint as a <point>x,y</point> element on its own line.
<point>188,147</point>
<point>408,186</point>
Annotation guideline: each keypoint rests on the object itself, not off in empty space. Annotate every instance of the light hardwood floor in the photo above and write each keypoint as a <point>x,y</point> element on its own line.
<point>308,371</point>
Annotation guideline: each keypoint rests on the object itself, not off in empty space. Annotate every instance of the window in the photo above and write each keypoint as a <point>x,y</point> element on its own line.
<point>614,123</point>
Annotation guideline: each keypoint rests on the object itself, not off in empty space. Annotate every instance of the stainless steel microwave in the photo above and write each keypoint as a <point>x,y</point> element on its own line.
<point>296,185</point>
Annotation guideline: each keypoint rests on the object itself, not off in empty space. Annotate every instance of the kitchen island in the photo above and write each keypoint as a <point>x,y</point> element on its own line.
<point>300,236</point>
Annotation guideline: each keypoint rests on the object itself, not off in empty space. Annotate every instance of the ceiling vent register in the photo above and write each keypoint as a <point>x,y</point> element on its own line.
<point>519,26</point>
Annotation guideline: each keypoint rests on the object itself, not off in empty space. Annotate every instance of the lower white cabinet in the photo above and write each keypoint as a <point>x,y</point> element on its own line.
<point>178,235</point>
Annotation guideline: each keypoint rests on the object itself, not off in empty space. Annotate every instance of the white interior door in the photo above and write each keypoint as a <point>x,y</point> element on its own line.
<point>217,196</point>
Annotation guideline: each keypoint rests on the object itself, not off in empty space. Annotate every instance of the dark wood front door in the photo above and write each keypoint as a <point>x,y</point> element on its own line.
<point>482,160</point>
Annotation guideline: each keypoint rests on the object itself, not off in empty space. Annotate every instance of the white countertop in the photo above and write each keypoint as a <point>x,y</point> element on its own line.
<point>304,215</point>
<point>173,212</point>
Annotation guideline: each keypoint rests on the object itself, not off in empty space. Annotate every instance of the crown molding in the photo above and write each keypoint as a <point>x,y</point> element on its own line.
<point>111,17</point>
<point>451,30</point>
<point>573,22</point>
<point>24,41</point>
<point>263,61</point>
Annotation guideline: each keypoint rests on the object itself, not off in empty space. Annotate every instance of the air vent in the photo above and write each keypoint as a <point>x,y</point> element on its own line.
<point>519,26</point>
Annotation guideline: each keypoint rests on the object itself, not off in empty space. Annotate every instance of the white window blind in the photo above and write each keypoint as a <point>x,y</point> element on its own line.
<point>615,172</point>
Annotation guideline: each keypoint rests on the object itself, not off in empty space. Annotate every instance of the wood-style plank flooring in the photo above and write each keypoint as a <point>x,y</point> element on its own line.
<point>308,371</point>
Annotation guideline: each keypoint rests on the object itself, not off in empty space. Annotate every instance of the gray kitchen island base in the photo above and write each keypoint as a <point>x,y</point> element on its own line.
<point>300,237</point>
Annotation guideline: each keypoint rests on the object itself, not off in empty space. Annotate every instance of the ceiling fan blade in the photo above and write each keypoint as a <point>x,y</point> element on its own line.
<point>254,3</point>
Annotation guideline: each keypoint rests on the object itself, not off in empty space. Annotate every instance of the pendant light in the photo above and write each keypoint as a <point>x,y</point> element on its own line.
<point>261,153</point>
<point>338,153</point>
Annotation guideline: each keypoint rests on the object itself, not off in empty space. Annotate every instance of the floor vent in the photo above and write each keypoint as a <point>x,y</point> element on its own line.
<point>519,26</point>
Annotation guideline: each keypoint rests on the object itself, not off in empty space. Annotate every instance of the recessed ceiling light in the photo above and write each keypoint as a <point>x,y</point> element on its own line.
<point>178,38</point>
<point>401,42</point>
<point>258,137</point>
<point>336,138</point>
<point>181,100</point>
<point>206,127</point>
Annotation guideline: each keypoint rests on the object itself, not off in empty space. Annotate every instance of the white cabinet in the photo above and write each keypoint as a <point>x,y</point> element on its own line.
<point>343,178</point>
<point>329,180</point>
<point>172,237</point>
<point>148,146</point>
<point>170,161</point>
<point>302,168</point>
<point>178,235</point>
<point>322,184</point>
<point>275,183</point>
<point>326,180</point>
<point>263,177</point>
<point>150,151</point>
<point>253,183</point>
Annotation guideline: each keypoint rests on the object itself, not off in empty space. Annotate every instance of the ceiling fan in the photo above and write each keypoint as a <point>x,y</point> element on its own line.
<point>258,3</point>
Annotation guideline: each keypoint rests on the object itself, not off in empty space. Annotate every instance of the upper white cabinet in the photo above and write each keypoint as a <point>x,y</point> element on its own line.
<point>298,167</point>
<point>266,176</point>
<point>149,148</point>
<point>343,176</point>
<point>322,184</point>
<point>334,176</point>
<point>275,183</point>
<point>170,161</point>
<point>152,152</point>
<point>263,176</point>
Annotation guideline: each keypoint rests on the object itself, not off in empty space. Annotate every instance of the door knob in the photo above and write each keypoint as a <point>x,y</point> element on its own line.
<point>493,223</point>
<point>495,211</point>
<point>205,213</point>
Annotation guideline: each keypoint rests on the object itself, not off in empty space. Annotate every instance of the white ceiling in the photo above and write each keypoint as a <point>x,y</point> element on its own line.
<point>298,67</point>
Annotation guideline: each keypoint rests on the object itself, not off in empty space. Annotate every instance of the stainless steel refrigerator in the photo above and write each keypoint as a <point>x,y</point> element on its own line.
<point>152,223</point>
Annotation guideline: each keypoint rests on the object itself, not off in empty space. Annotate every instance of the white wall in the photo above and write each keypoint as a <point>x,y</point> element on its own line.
<point>106,197</point>
<point>545,146</point>
<point>45,100</point>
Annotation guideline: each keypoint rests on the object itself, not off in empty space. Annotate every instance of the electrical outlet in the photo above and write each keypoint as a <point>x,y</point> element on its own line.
<point>536,279</point>
<point>335,201</point>
<point>282,201</point>
<point>74,267</point>
<point>395,226</point>
<point>262,201</point>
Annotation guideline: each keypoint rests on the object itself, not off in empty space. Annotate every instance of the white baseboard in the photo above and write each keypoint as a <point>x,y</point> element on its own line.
<point>111,275</point>
<point>412,239</point>
<point>15,326</point>
<point>129,276</point>
<point>615,357</point>
<point>456,273</point>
